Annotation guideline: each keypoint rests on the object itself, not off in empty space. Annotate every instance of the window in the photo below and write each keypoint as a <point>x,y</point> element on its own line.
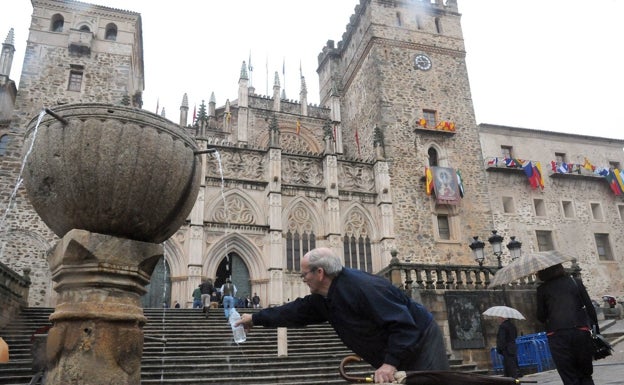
<point>57,23</point>
<point>4,143</point>
<point>85,28</point>
<point>603,247</point>
<point>418,22</point>
<point>508,205</point>
<point>444,229</point>
<point>75,81</point>
<point>506,151</point>
<point>544,240</point>
<point>433,157</point>
<point>357,252</point>
<point>621,211</point>
<point>568,209</point>
<point>297,245</point>
<point>560,157</point>
<point>430,118</point>
<point>111,32</point>
<point>398,19</point>
<point>540,207</point>
<point>438,24</point>
<point>596,210</point>
<point>614,165</point>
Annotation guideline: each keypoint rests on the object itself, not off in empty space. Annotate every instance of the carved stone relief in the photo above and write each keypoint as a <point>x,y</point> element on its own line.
<point>302,171</point>
<point>352,177</point>
<point>236,210</point>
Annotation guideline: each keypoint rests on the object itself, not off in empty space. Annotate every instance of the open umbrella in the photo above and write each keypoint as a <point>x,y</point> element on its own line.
<point>433,377</point>
<point>528,264</point>
<point>504,312</point>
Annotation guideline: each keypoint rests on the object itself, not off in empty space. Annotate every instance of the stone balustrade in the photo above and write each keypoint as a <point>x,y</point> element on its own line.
<point>13,293</point>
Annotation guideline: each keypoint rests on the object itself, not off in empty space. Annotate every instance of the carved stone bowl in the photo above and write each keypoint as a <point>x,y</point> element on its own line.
<point>112,170</point>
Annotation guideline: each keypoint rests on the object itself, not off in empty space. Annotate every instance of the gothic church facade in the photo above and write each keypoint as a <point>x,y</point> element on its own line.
<point>288,176</point>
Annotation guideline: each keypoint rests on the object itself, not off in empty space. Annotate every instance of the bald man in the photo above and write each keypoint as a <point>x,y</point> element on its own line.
<point>373,318</point>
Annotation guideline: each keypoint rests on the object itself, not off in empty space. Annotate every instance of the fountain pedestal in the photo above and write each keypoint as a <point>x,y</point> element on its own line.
<point>97,336</point>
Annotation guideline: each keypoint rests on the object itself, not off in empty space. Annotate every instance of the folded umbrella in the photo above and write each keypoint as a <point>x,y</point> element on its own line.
<point>432,377</point>
<point>528,264</point>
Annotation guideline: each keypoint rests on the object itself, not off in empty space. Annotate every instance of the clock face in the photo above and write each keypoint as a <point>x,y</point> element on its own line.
<point>422,62</point>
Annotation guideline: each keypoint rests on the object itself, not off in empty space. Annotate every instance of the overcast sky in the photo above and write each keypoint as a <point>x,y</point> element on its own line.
<point>553,65</point>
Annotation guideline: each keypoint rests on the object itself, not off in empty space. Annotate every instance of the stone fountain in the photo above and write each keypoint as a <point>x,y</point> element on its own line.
<point>113,183</point>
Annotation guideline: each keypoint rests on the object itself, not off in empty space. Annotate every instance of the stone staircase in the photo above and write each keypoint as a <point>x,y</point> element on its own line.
<point>200,350</point>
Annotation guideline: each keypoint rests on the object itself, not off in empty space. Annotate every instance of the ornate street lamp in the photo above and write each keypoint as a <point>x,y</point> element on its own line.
<point>477,250</point>
<point>497,245</point>
<point>514,248</point>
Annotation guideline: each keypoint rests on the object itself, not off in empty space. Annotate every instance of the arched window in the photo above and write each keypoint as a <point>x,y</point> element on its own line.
<point>4,143</point>
<point>297,245</point>
<point>57,23</point>
<point>111,32</point>
<point>433,157</point>
<point>85,28</point>
<point>357,244</point>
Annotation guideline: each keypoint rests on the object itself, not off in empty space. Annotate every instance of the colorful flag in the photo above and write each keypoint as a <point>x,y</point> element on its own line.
<point>527,167</point>
<point>298,126</point>
<point>428,181</point>
<point>493,161</point>
<point>334,131</point>
<point>553,165</point>
<point>194,113</point>
<point>422,122</point>
<point>588,166</point>
<point>613,183</point>
<point>563,168</point>
<point>460,184</point>
<point>537,174</point>
<point>510,162</point>
<point>618,177</point>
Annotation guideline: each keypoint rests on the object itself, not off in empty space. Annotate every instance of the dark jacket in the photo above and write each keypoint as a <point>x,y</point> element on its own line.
<point>373,318</point>
<point>506,338</point>
<point>564,304</point>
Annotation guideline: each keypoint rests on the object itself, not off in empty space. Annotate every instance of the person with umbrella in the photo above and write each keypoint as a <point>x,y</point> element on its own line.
<point>371,316</point>
<point>506,346</point>
<point>565,307</point>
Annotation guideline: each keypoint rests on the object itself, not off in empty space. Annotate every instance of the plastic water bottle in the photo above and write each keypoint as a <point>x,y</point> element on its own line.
<point>238,332</point>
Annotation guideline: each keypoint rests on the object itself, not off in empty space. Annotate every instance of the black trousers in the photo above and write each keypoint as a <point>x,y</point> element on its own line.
<point>510,365</point>
<point>571,350</point>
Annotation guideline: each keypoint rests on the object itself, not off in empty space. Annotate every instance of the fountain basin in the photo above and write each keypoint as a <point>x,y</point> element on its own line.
<point>111,170</point>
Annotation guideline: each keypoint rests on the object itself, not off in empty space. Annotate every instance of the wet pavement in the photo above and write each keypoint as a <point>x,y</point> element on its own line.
<point>608,371</point>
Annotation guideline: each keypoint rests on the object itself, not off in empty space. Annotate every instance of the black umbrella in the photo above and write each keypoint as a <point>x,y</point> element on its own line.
<point>433,377</point>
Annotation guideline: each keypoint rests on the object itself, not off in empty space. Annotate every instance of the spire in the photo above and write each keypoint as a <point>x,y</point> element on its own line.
<point>10,39</point>
<point>212,98</point>
<point>243,74</point>
<point>184,100</point>
<point>6,56</point>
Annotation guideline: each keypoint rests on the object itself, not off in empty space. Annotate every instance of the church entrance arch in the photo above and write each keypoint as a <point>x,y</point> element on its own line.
<point>234,267</point>
<point>159,288</point>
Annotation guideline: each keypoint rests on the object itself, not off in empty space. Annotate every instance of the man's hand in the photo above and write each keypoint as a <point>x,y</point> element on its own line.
<point>385,374</point>
<point>246,321</point>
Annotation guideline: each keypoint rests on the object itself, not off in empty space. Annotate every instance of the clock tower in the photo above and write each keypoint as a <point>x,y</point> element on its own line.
<point>401,77</point>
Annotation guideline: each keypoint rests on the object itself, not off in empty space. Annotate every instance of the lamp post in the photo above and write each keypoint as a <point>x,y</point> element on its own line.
<point>496,240</point>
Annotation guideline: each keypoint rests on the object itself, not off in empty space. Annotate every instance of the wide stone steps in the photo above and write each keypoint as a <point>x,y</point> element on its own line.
<point>200,350</point>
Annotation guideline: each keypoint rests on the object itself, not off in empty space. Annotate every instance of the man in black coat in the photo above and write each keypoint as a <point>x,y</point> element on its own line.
<point>565,307</point>
<point>506,346</point>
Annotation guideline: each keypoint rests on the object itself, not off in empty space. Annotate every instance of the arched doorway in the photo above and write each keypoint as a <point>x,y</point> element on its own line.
<point>233,266</point>
<point>159,288</point>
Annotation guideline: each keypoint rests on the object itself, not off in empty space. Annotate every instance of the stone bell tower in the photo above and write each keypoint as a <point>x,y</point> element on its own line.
<point>400,71</point>
<point>75,52</point>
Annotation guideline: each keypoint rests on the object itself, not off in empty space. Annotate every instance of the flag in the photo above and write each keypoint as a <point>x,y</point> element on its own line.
<point>298,126</point>
<point>157,105</point>
<point>334,132</point>
<point>527,167</point>
<point>588,166</point>
<point>460,184</point>
<point>493,161</point>
<point>618,177</point>
<point>510,162</point>
<point>563,168</point>
<point>194,113</point>
<point>428,181</point>
<point>422,122</point>
<point>357,140</point>
<point>613,183</point>
<point>553,165</point>
<point>537,174</point>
